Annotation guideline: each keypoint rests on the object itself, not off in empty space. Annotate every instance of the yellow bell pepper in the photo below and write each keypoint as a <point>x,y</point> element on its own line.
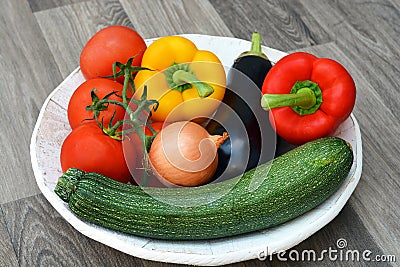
<point>187,83</point>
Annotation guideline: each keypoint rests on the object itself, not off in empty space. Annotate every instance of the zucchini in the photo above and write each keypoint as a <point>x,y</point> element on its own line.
<point>288,186</point>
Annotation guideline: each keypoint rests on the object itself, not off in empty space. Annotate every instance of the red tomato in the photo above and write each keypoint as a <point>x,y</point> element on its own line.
<point>81,98</point>
<point>111,44</point>
<point>89,149</point>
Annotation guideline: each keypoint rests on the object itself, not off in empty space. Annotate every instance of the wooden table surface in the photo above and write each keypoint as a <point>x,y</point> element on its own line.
<point>40,45</point>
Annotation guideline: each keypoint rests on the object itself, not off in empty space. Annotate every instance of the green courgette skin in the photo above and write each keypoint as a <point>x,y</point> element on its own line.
<point>289,186</point>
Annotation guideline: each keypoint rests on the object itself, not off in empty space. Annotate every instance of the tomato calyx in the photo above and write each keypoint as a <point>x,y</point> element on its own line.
<point>126,70</point>
<point>135,121</point>
<point>96,106</point>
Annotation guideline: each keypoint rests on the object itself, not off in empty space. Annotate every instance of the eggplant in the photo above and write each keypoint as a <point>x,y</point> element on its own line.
<point>252,140</point>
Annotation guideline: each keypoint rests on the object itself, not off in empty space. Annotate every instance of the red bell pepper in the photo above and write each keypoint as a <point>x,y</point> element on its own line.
<point>309,97</point>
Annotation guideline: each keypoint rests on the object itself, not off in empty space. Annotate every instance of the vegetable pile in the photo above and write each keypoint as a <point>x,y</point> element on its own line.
<point>168,115</point>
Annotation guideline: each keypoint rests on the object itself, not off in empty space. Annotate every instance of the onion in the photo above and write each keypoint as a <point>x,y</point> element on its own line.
<point>185,154</point>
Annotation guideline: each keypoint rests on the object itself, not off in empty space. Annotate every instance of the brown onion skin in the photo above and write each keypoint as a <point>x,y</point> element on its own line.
<point>182,140</point>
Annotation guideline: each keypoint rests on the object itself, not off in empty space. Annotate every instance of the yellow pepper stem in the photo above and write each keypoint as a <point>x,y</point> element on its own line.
<point>184,77</point>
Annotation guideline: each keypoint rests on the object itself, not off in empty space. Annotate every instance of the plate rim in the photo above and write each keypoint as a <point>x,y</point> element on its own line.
<point>182,257</point>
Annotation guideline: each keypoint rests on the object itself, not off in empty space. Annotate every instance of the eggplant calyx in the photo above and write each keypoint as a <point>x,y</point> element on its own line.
<point>256,49</point>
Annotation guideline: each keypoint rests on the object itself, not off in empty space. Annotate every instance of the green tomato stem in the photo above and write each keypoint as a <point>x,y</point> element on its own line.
<point>153,132</point>
<point>125,87</point>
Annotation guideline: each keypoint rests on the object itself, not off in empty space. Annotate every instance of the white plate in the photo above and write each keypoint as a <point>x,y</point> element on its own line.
<point>52,127</point>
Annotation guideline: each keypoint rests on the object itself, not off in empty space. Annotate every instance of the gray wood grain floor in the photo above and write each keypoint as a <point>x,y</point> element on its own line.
<point>40,45</point>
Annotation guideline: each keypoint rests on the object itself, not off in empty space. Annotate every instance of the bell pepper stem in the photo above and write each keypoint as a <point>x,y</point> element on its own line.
<point>203,89</point>
<point>305,98</point>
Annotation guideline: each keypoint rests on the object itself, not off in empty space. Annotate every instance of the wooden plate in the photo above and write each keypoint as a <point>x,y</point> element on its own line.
<point>52,127</point>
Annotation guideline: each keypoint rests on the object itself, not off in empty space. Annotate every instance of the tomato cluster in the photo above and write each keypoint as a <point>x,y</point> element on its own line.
<point>94,144</point>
